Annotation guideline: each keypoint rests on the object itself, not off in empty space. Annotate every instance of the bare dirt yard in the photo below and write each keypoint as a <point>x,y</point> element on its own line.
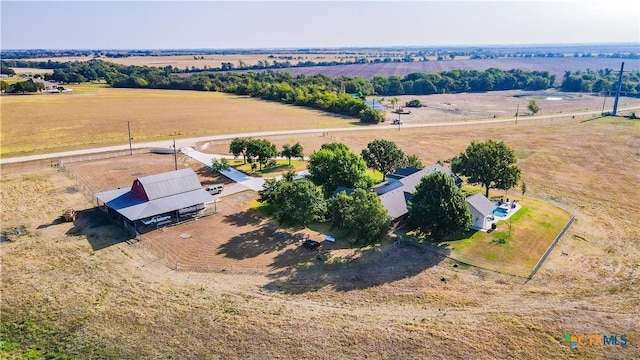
<point>244,288</point>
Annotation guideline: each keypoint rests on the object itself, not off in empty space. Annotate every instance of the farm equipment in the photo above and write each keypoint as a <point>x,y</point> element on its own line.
<point>69,215</point>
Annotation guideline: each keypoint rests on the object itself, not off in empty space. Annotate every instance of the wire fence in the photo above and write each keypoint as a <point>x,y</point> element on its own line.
<point>551,247</point>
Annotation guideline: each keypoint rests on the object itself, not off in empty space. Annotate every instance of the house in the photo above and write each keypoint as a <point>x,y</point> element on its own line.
<point>482,211</point>
<point>48,85</point>
<point>396,193</point>
<point>156,200</point>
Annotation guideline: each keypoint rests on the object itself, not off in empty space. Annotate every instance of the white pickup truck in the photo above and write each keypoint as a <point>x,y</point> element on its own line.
<point>156,219</point>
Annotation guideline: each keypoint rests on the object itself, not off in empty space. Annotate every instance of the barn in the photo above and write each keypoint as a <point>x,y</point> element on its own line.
<point>156,200</point>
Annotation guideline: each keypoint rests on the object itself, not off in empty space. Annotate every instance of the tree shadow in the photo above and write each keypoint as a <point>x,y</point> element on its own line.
<point>56,221</point>
<point>257,242</point>
<point>243,218</point>
<point>101,232</point>
<point>208,177</point>
<point>363,269</point>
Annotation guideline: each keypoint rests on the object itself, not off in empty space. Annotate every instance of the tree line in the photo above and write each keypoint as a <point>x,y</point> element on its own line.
<point>601,81</point>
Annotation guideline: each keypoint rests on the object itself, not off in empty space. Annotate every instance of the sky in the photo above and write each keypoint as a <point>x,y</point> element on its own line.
<point>209,24</point>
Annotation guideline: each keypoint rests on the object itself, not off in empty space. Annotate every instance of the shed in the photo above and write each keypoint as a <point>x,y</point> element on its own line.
<point>481,211</point>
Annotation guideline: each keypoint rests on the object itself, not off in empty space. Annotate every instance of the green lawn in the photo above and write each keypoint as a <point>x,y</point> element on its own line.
<point>515,251</point>
<point>282,166</point>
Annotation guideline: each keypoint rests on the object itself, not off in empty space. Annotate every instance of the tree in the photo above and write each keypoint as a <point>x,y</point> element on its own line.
<point>371,116</point>
<point>298,151</point>
<point>491,164</point>
<point>262,150</point>
<point>415,103</point>
<point>298,202</point>
<point>334,165</point>
<point>523,188</point>
<point>393,101</point>
<point>269,190</point>
<point>412,161</point>
<point>438,207</point>
<point>218,165</point>
<point>238,146</point>
<point>3,85</point>
<point>384,156</point>
<point>295,150</point>
<point>533,106</point>
<point>361,215</point>
<point>369,222</point>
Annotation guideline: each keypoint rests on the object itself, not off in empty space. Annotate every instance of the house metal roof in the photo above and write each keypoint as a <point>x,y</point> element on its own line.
<point>166,192</point>
<point>481,204</point>
<point>395,203</point>
<point>406,185</point>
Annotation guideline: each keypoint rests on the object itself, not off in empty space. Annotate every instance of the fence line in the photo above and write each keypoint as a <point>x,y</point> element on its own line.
<point>551,247</point>
<point>100,156</point>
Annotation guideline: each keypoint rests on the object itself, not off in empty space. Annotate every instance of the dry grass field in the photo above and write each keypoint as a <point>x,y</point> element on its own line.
<point>215,60</point>
<point>61,295</point>
<point>92,116</point>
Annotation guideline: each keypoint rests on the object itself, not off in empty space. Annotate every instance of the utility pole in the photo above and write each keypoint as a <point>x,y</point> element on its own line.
<point>603,102</point>
<point>175,154</point>
<point>130,148</point>
<point>615,103</point>
<point>517,110</point>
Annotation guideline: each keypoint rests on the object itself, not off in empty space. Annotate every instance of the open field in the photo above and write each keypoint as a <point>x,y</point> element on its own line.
<point>92,116</point>
<point>556,66</point>
<point>31,71</point>
<point>43,123</point>
<point>63,295</point>
<point>216,60</point>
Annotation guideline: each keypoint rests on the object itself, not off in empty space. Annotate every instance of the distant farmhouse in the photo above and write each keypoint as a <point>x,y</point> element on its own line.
<point>156,200</point>
<point>46,87</point>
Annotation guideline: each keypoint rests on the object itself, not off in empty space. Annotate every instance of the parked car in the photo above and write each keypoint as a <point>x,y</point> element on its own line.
<point>310,244</point>
<point>156,219</point>
<point>397,122</point>
<point>214,189</point>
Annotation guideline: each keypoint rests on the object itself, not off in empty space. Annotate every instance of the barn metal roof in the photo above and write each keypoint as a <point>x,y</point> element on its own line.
<point>170,183</point>
<point>167,192</point>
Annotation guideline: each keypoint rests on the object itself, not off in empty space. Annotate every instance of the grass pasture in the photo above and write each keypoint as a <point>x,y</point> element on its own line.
<point>281,167</point>
<point>533,228</point>
<point>95,116</point>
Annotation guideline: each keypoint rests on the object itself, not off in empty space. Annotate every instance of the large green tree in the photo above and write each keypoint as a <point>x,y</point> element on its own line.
<point>438,207</point>
<point>384,156</point>
<point>290,151</point>
<point>361,215</point>
<point>261,150</point>
<point>238,147</point>
<point>334,165</point>
<point>371,116</point>
<point>491,164</point>
<point>298,202</point>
